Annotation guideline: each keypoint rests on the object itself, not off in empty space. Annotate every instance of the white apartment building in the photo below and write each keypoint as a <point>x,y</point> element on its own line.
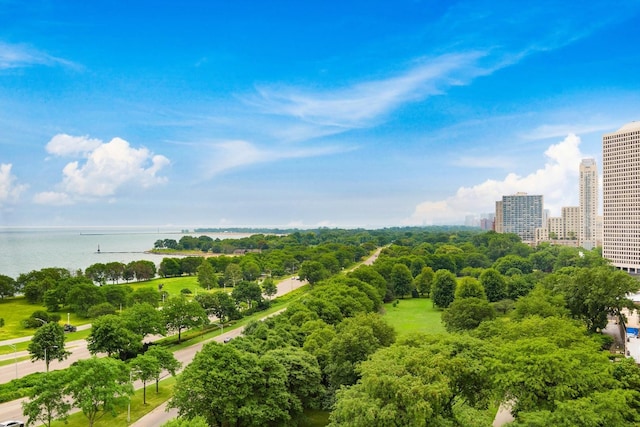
<point>588,228</point>
<point>621,197</point>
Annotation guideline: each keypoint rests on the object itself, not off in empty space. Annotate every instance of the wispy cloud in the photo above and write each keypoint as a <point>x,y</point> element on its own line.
<point>234,154</point>
<point>363,104</point>
<point>21,55</point>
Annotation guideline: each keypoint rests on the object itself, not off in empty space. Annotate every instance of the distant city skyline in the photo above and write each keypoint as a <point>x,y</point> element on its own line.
<point>304,114</point>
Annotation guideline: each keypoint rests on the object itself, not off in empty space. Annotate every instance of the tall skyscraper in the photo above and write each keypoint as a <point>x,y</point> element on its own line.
<point>522,214</point>
<point>588,203</point>
<point>621,197</point>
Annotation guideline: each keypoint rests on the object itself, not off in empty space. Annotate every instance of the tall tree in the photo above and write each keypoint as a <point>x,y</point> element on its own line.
<point>144,368</point>
<point>207,277</point>
<point>401,280</point>
<point>166,361</point>
<point>313,272</point>
<point>423,281</point>
<point>232,274</point>
<point>109,335</point>
<point>269,288</point>
<point>593,294</point>
<point>98,386</point>
<point>495,286</point>
<point>48,343</point>
<point>469,287</point>
<point>143,319</point>
<point>47,401</point>
<point>443,288</point>
<point>180,314</point>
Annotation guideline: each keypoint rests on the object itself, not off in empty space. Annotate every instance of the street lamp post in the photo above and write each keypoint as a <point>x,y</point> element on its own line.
<point>46,356</point>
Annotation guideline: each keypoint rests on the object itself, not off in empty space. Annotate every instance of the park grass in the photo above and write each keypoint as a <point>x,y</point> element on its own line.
<point>414,315</point>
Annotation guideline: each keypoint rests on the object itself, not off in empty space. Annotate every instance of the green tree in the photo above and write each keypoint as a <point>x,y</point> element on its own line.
<point>593,294</point>
<point>540,302</point>
<point>313,272</point>
<point>83,296</point>
<point>467,313</point>
<point>228,386</point>
<point>148,295</point>
<point>110,335</point>
<point>169,267</point>
<point>248,292</point>
<point>232,274</point>
<point>143,319</point>
<point>207,277</point>
<point>304,378</point>
<point>356,339</point>
<point>180,314</point>
<point>562,362</point>
<point>401,280</point>
<point>443,288</point>
<point>423,281</point>
<point>47,401</point>
<point>508,262</point>
<point>48,343</point>
<point>269,288</point>
<point>420,381</point>
<point>250,270</point>
<point>166,360</point>
<point>495,286</point>
<point>218,303</point>
<point>98,387</point>
<point>469,287</point>
<point>145,368</point>
<point>7,286</point>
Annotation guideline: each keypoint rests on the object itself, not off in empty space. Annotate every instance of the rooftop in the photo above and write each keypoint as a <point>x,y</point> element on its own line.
<point>631,126</point>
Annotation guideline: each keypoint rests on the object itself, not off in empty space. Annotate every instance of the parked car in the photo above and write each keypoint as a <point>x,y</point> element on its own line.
<point>68,328</point>
<point>12,424</point>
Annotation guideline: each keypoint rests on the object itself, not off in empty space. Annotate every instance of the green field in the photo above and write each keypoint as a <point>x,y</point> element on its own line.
<point>414,315</point>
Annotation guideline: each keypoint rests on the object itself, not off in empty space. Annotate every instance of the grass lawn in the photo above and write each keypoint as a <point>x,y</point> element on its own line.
<point>414,315</point>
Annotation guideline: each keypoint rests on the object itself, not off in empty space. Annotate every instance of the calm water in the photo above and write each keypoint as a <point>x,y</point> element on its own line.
<point>23,250</point>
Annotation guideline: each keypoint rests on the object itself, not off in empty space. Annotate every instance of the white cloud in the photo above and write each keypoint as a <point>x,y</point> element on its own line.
<point>9,188</point>
<point>67,145</point>
<point>233,154</point>
<point>105,169</point>
<point>20,56</point>
<point>52,198</point>
<point>557,181</point>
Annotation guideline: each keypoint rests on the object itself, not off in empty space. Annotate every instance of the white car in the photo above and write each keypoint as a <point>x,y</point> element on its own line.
<point>12,424</point>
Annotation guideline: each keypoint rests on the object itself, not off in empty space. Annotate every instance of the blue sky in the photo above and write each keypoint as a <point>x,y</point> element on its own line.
<point>304,114</point>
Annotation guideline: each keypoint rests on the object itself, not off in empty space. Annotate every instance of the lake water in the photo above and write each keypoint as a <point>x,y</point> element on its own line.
<point>26,249</point>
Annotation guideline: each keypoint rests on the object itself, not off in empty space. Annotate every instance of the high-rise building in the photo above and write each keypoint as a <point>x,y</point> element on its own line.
<point>621,197</point>
<point>588,203</point>
<point>521,215</point>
